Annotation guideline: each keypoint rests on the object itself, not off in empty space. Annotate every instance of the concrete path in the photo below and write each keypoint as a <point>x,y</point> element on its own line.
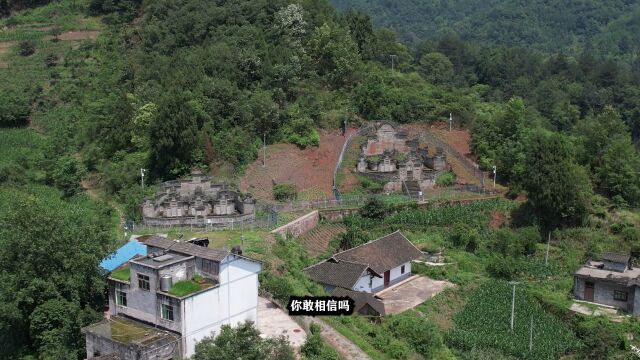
<point>411,293</point>
<point>273,321</point>
<point>344,346</point>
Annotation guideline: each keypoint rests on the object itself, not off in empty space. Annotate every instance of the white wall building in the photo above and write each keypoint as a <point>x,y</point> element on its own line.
<point>370,267</point>
<point>223,290</point>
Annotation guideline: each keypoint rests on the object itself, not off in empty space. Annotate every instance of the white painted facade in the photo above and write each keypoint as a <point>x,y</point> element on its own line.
<point>234,301</point>
<point>371,284</point>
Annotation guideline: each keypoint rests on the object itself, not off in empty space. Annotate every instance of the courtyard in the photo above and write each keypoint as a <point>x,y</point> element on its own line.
<point>411,293</point>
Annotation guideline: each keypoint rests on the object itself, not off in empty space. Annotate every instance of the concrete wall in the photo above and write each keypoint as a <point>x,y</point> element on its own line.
<point>234,301</point>
<point>336,214</point>
<point>164,349</point>
<point>215,221</point>
<point>299,226</point>
<point>603,293</point>
<point>374,284</point>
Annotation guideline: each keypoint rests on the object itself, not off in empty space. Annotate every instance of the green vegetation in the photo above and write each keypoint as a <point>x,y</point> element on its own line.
<point>123,274</point>
<point>184,288</point>
<point>243,342</point>
<point>314,347</point>
<point>171,85</point>
<point>445,179</point>
<point>604,27</point>
<point>485,323</point>
<point>285,192</point>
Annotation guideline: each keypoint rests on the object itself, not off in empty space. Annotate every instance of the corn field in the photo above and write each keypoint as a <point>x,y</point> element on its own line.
<point>485,323</point>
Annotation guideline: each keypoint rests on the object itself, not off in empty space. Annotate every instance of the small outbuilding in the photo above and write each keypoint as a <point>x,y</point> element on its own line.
<point>611,281</point>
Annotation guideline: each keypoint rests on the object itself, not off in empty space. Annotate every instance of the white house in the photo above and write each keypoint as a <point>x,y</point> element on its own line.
<point>162,304</point>
<point>370,267</point>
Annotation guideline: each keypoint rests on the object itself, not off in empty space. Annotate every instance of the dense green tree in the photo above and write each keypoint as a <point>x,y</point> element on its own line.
<point>558,188</point>
<point>619,173</point>
<point>174,134</point>
<point>51,282</point>
<point>334,54</point>
<point>243,342</point>
<point>436,68</point>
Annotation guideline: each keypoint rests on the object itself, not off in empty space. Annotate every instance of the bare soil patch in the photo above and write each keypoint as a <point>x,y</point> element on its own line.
<point>310,170</point>
<point>79,35</point>
<point>498,218</point>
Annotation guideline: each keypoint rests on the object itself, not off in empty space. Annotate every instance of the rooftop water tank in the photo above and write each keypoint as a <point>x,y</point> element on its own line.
<point>166,283</point>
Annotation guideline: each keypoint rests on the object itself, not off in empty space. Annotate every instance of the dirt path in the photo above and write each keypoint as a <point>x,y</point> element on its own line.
<point>344,346</point>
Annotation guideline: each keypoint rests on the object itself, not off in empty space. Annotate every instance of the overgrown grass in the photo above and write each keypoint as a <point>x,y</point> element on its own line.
<point>123,274</point>
<point>184,287</point>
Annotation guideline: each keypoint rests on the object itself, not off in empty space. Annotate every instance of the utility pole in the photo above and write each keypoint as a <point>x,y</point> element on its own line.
<point>513,303</point>
<point>531,334</point>
<point>264,149</point>
<point>546,258</point>
<point>392,61</point>
<point>494,177</point>
<point>450,121</point>
<point>142,171</point>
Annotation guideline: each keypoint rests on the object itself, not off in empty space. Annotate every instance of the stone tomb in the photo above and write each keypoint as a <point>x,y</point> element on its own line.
<point>197,201</point>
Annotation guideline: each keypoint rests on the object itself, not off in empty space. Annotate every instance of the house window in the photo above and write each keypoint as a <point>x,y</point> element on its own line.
<point>121,298</point>
<point>402,269</point>
<point>143,282</point>
<point>166,312</point>
<point>619,295</point>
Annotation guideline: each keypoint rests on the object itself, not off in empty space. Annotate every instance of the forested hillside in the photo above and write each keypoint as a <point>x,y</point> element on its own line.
<point>602,27</point>
<point>169,85</point>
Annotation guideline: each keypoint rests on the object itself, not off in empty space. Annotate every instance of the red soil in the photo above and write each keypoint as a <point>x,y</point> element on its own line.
<point>458,138</point>
<point>311,170</point>
<point>498,219</point>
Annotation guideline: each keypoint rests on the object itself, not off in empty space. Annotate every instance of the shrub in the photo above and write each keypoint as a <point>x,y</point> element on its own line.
<point>284,192</point>
<point>15,108</point>
<point>373,209</point>
<point>421,334</point>
<point>302,132</point>
<point>27,48</point>
<point>51,60</point>
<point>446,178</point>
<point>505,268</point>
<point>315,349</point>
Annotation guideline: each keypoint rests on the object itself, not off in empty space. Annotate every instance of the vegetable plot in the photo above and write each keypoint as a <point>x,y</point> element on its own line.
<point>485,323</point>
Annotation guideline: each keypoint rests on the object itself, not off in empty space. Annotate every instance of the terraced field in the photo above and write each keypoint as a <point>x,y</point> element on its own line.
<point>317,240</point>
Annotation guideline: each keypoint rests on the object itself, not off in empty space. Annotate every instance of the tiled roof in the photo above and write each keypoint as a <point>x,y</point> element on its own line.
<point>184,247</point>
<point>342,274</point>
<point>617,258</point>
<point>360,299</point>
<point>383,254</point>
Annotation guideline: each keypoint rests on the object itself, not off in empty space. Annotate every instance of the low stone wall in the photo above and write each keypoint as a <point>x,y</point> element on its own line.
<point>299,226</point>
<point>211,221</point>
<point>336,214</point>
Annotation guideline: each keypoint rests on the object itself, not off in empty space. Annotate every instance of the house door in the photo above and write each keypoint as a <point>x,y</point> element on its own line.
<point>588,291</point>
<point>387,275</point>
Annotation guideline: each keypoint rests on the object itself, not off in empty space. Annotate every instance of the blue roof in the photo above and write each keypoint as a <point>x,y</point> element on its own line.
<point>122,255</point>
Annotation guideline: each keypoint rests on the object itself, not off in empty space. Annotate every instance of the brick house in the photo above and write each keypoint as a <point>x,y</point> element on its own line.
<point>161,304</point>
<point>611,281</point>
<point>369,267</point>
